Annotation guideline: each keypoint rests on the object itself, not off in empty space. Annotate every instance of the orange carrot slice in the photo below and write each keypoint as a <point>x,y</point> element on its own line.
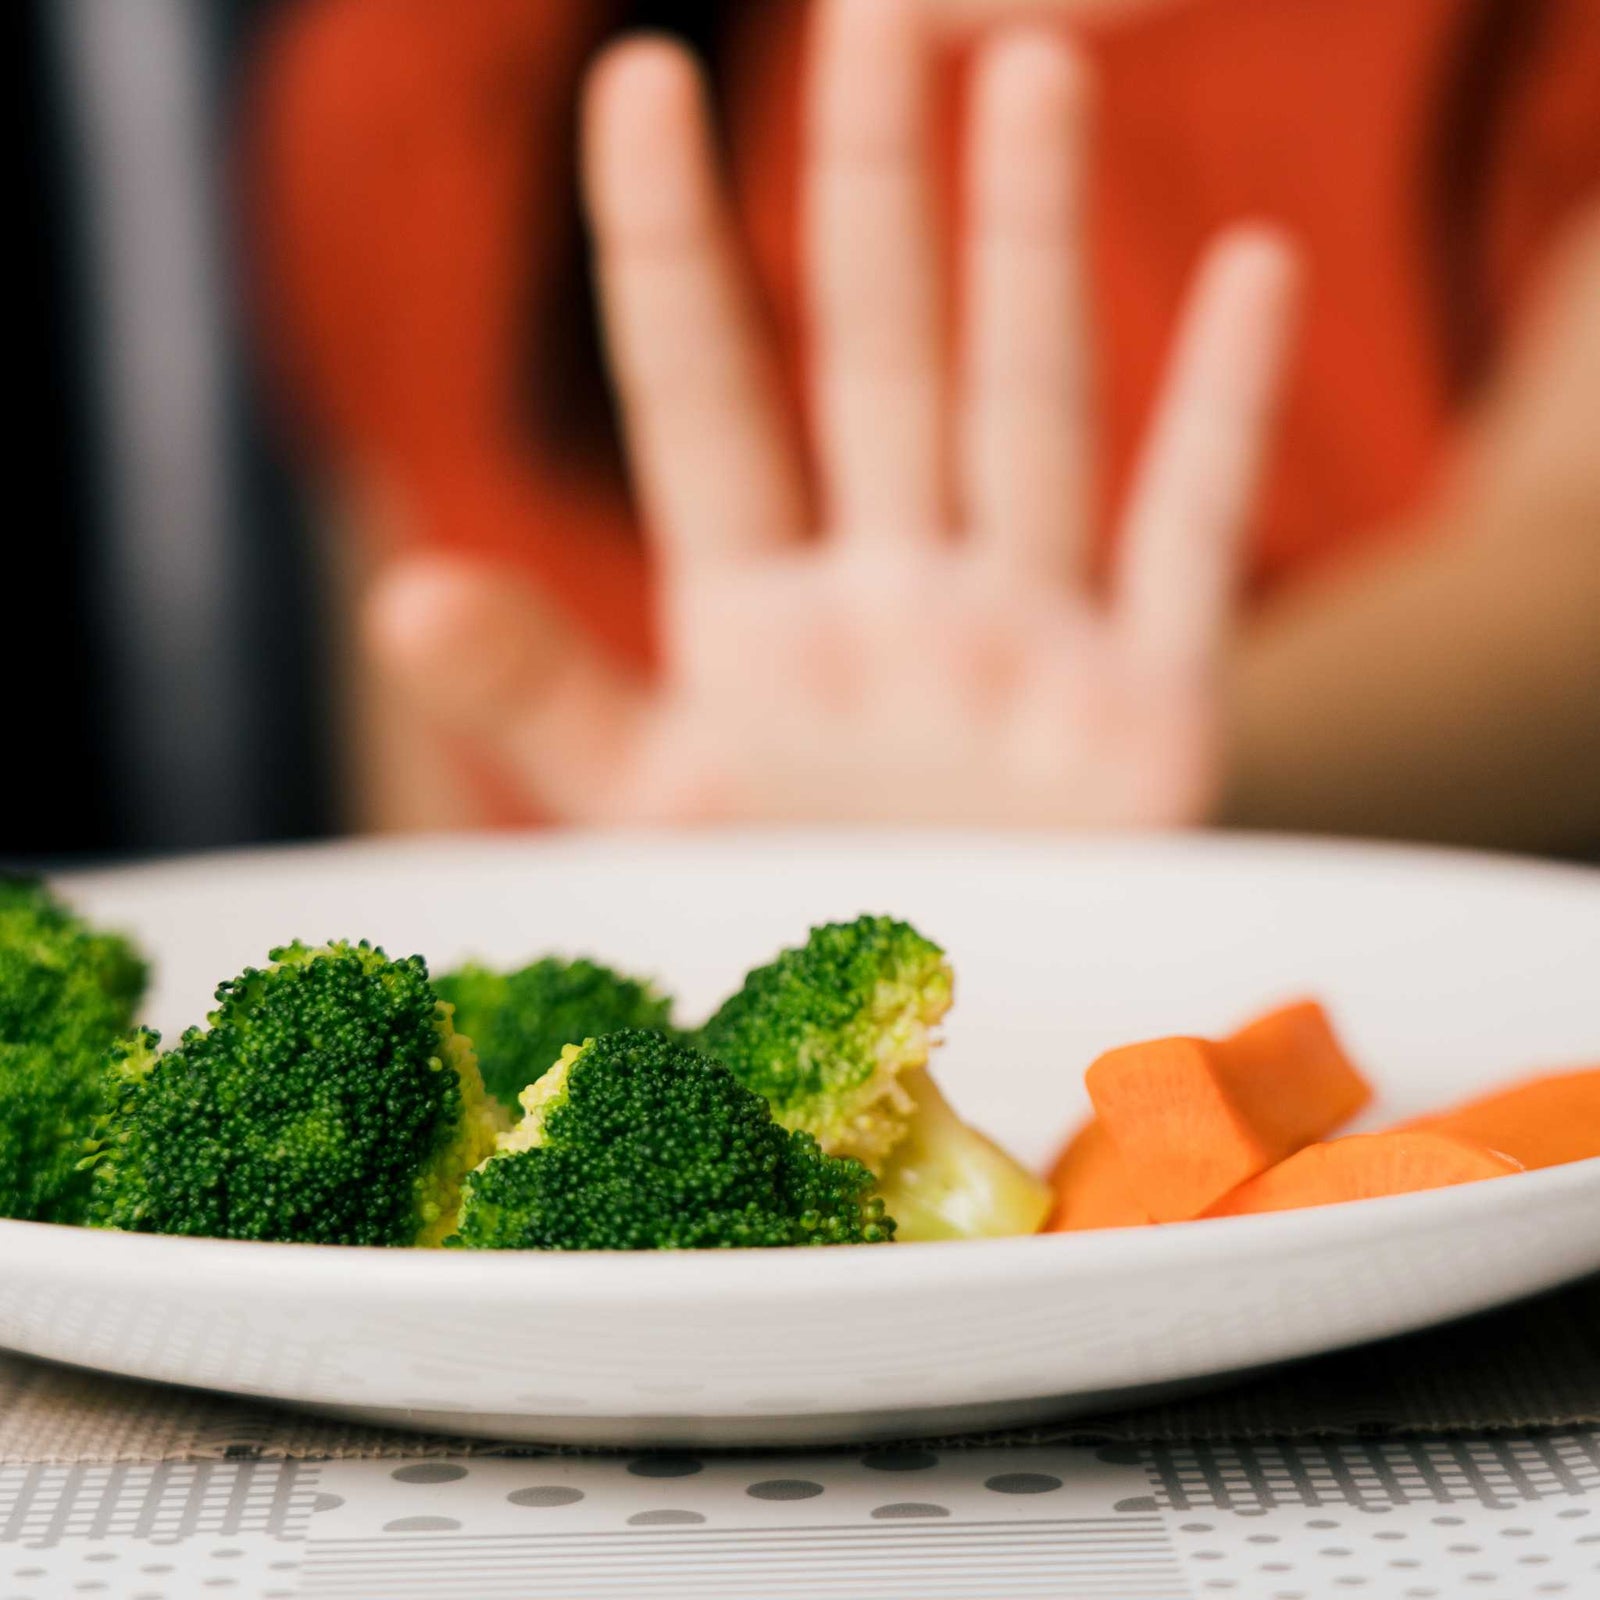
<point>1542,1122</point>
<point>1092,1189</point>
<point>1291,1075</point>
<point>1192,1119</point>
<point>1365,1166</point>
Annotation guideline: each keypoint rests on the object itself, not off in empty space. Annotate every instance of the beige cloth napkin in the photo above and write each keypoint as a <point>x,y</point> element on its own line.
<point>1530,1366</point>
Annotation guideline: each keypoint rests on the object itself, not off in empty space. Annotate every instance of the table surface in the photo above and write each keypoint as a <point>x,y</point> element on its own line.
<point>1498,1518</point>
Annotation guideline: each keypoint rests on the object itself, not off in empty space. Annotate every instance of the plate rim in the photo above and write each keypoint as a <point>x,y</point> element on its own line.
<point>753,1276</point>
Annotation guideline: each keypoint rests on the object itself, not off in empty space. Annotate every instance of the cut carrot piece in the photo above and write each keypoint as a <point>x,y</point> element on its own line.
<point>1290,1074</point>
<point>1542,1122</point>
<point>1092,1189</point>
<point>1365,1166</point>
<point>1182,1140</point>
<point>1192,1119</point>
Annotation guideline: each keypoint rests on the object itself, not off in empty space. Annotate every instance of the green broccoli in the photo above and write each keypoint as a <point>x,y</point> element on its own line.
<point>634,1142</point>
<point>518,1021</point>
<point>66,991</point>
<point>836,1036</point>
<point>329,1101</point>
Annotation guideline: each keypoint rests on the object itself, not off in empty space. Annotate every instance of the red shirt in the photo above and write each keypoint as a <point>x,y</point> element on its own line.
<point>408,171</point>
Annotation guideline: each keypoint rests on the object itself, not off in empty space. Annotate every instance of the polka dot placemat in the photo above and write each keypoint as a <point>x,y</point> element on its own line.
<point>1510,1519</point>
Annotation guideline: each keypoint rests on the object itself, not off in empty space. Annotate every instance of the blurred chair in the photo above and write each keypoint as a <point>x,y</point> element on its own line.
<point>194,713</point>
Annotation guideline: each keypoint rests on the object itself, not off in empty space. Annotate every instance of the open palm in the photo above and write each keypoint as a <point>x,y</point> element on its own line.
<point>906,631</point>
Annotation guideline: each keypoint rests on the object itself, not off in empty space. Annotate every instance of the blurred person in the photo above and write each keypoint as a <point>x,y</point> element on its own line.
<point>898,573</point>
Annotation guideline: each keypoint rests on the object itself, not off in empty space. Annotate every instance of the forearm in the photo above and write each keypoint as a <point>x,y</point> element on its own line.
<point>1450,691</point>
<point>1450,688</point>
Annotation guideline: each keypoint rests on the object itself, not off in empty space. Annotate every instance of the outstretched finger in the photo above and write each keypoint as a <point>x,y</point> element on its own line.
<point>476,651</point>
<point>1181,547</point>
<point>874,283</point>
<point>1025,408</point>
<point>713,455</point>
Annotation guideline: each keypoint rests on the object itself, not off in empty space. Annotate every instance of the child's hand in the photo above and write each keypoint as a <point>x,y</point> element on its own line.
<point>917,641</point>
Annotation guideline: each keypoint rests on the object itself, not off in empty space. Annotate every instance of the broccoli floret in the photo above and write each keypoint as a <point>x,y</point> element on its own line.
<point>66,991</point>
<point>827,1032</point>
<point>634,1142</point>
<point>329,1101</point>
<point>518,1021</point>
<point>836,1036</point>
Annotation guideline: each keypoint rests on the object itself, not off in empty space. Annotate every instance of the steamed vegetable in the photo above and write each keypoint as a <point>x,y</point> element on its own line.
<point>518,1021</point>
<point>1541,1122</point>
<point>836,1034</point>
<point>66,992</point>
<point>634,1142</point>
<point>1365,1167</point>
<point>329,1100</point>
<point>1191,1119</point>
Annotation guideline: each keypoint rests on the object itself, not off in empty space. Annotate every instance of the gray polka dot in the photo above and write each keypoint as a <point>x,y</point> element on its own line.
<point>150,1594</point>
<point>900,1460</point>
<point>1533,1561</point>
<point>1350,1580</point>
<point>1219,1583</point>
<point>1390,1533</point>
<point>157,1566</point>
<point>1206,1555</point>
<point>1322,1522</point>
<point>283,1566</point>
<point>429,1472</point>
<point>102,1555</point>
<point>1334,1551</point>
<point>1551,1588</point>
<point>1576,1511</point>
<point>1288,1594</point>
<point>1588,1538</point>
<point>900,1509</point>
<point>1449,1522</point>
<point>322,1502</point>
<point>663,1519</point>
<point>1421,1594</point>
<point>785,1489</point>
<point>1043,1483</point>
<point>1188,1527</point>
<point>232,1555</point>
<point>545,1494</point>
<point>664,1467</point>
<point>1516,1533</point>
<point>94,1586</point>
<point>28,1572</point>
<point>1138,1502</point>
<point>1464,1549</point>
<point>1481,1577</point>
<point>1277,1566</point>
<point>1262,1538</point>
<point>219,1583</point>
<point>1405,1564</point>
<point>421,1525</point>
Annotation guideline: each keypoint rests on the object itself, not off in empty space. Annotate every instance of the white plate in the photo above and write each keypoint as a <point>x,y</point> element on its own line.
<point>1446,973</point>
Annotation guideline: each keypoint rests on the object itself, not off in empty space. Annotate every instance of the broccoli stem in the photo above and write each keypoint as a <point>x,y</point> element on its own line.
<point>945,1180</point>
